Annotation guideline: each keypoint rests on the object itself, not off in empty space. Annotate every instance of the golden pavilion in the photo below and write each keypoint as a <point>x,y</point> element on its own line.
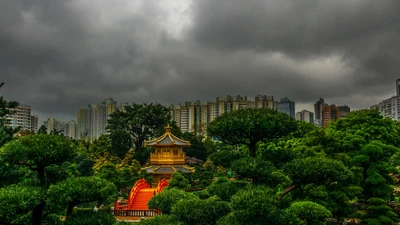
<point>168,156</point>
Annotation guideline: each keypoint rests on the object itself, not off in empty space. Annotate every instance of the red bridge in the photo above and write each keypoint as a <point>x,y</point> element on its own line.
<point>140,194</point>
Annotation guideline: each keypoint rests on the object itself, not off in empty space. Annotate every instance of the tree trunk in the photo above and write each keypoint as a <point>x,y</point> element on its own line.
<point>253,149</point>
<point>287,190</point>
<point>137,144</point>
<point>70,209</point>
<point>37,214</point>
<point>42,177</point>
<point>38,210</point>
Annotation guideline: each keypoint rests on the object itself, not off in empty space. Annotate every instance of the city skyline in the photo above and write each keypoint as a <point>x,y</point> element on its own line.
<point>58,56</point>
<point>298,107</point>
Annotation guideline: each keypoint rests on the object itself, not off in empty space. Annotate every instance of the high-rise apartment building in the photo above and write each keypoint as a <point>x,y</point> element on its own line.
<point>54,125</point>
<point>264,101</point>
<point>287,106</point>
<point>83,123</point>
<point>34,123</point>
<point>191,116</point>
<point>305,115</point>
<point>391,107</point>
<point>330,113</point>
<point>318,108</point>
<point>194,116</point>
<point>21,117</point>
<point>72,128</point>
<point>92,121</point>
<point>344,110</point>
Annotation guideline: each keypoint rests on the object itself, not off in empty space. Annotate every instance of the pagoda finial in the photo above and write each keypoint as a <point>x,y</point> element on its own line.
<point>168,129</point>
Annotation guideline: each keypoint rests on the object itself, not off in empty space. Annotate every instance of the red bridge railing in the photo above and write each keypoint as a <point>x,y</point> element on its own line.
<point>136,213</point>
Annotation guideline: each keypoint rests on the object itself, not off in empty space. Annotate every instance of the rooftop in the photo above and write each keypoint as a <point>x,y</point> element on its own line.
<point>167,139</point>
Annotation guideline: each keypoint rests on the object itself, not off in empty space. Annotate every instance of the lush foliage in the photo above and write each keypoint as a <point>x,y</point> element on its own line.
<point>78,190</point>
<point>140,121</point>
<point>301,174</point>
<point>16,203</point>
<point>251,126</point>
<point>90,218</point>
<point>178,181</point>
<point>166,199</point>
<point>266,168</point>
<point>48,184</point>
<point>6,132</point>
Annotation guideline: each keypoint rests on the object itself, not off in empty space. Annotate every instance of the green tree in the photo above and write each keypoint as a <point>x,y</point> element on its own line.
<point>85,167</point>
<point>259,171</point>
<point>14,174</point>
<point>42,130</point>
<point>109,172</point>
<point>163,219</point>
<point>178,181</point>
<point>224,188</point>
<point>309,213</point>
<point>142,155</point>
<point>78,190</point>
<point>139,120</point>
<point>37,152</point>
<point>315,171</point>
<point>378,212</point>
<point>255,205</point>
<point>203,176</point>
<point>224,156</point>
<point>167,198</point>
<point>90,218</point>
<point>121,142</point>
<point>16,203</point>
<point>196,148</point>
<point>6,132</point>
<point>369,125</point>
<point>200,212</point>
<point>100,146</point>
<point>251,126</point>
<point>371,142</point>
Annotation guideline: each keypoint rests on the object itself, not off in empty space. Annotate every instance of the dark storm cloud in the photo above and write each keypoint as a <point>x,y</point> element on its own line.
<point>365,33</point>
<point>59,55</point>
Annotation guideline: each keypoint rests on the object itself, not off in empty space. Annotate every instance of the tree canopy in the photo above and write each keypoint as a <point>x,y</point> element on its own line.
<point>140,121</point>
<point>250,126</point>
<point>6,132</point>
<point>74,191</point>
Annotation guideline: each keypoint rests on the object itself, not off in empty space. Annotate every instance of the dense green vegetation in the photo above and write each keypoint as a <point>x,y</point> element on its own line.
<point>289,172</point>
<point>266,168</point>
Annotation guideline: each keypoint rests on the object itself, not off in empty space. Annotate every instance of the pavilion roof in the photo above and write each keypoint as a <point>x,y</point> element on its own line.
<point>166,169</point>
<point>167,139</point>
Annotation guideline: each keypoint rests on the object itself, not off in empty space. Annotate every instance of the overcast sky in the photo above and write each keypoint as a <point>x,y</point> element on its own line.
<point>59,55</point>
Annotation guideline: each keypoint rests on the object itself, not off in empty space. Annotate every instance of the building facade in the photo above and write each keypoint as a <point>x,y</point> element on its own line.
<point>21,117</point>
<point>72,128</point>
<point>53,125</point>
<point>305,116</point>
<point>391,107</point>
<point>330,113</point>
<point>34,123</point>
<point>287,106</point>
<point>344,110</point>
<point>194,116</point>
<point>318,108</point>
<point>92,120</point>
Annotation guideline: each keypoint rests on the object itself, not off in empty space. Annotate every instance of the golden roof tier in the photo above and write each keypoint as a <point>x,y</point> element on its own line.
<point>167,139</point>
<point>168,149</point>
